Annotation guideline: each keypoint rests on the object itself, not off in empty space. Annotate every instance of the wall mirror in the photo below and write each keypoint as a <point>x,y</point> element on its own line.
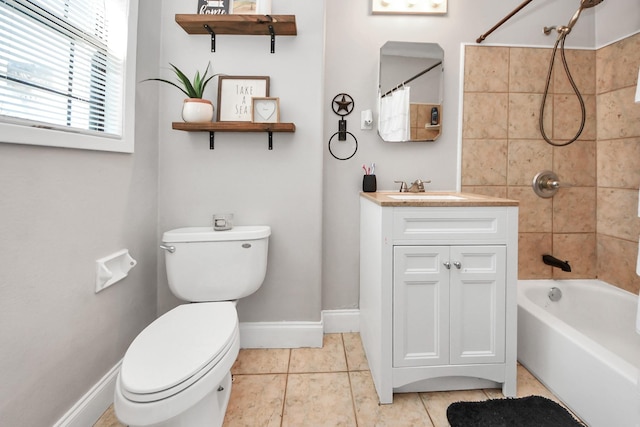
<point>410,90</point>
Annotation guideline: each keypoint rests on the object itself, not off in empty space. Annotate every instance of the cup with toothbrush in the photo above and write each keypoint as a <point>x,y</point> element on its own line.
<point>369,184</point>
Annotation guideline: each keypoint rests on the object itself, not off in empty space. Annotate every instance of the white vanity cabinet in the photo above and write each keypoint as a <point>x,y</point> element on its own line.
<point>438,294</point>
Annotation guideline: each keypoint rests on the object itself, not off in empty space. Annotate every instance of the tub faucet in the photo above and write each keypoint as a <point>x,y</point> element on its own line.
<point>555,262</point>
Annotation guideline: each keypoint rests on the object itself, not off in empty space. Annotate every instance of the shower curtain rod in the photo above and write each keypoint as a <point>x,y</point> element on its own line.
<point>412,79</point>
<point>505,19</point>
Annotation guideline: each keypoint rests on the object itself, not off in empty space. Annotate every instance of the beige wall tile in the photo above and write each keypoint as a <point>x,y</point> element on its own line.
<point>531,247</point>
<point>486,69</point>
<point>407,408</point>
<point>580,250</point>
<point>528,69</point>
<point>524,113</point>
<point>485,115</point>
<point>488,190</point>
<point>575,164</point>
<point>618,213</point>
<point>534,213</point>
<point>574,210</point>
<point>617,64</point>
<point>256,400</point>
<point>617,262</point>
<point>619,163</point>
<point>582,66</point>
<point>329,358</point>
<point>311,398</point>
<point>484,162</point>
<point>527,157</point>
<point>618,114</point>
<point>567,117</point>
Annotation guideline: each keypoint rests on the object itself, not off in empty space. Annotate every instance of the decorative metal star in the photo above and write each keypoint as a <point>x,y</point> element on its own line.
<point>343,102</point>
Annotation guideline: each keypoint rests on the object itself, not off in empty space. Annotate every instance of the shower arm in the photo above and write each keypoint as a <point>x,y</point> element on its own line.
<point>503,20</point>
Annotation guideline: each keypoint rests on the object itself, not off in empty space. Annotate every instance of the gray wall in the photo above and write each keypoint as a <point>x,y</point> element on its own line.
<point>60,210</point>
<point>281,188</point>
<point>59,338</point>
<point>353,41</point>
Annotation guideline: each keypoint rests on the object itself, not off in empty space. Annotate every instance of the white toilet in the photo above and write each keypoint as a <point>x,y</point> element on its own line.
<point>177,371</point>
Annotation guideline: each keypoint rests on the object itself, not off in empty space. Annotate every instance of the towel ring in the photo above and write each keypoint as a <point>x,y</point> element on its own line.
<point>354,151</point>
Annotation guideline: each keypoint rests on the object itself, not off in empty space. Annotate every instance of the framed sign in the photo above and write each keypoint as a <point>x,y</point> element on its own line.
<point>235,94</point>
<point>265,110</point>
<point>250,7</point>
<point>214,7</point>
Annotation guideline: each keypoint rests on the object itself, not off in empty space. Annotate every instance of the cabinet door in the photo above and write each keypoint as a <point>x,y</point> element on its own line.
<point>420,306</point>
<point>477,304</point>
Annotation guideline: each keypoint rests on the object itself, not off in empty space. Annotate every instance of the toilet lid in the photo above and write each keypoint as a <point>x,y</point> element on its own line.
<point>177,346</point>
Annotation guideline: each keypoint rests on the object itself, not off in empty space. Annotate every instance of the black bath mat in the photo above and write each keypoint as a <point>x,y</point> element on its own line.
<point>532,411</point>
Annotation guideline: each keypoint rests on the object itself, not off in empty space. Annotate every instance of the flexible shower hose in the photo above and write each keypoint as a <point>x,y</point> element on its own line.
<point>560,40</point>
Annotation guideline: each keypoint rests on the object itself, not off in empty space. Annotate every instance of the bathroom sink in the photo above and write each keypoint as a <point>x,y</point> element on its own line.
<point>426,197</point>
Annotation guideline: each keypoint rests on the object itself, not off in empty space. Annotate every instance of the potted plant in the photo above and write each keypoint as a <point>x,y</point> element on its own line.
<point>194,108</point>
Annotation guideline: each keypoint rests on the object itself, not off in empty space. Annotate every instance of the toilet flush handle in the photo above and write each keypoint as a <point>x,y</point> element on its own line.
<point>170,249</point>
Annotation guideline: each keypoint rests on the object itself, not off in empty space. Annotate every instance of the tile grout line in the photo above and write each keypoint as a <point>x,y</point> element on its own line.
<point>424,405</point>
<point>286,384</point>
<point>353,400</point>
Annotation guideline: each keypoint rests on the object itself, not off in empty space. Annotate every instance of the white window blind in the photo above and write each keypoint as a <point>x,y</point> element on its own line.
<point>62,65</point>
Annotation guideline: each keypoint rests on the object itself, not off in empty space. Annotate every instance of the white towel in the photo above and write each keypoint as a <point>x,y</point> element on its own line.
<point>394,120</point>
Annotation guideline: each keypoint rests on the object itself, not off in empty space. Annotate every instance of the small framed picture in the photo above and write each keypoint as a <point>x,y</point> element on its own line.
<point>251,7</point>
<point>214,7</point>
<point>266,110</point>
<point>235,94</point>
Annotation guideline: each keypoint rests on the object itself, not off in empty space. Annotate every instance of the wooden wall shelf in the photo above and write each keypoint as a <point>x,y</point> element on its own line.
<point>253,25</point>
<point>213,127</point>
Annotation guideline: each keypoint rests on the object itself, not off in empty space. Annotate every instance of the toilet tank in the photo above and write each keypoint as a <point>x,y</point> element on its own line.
<point>209,265</point>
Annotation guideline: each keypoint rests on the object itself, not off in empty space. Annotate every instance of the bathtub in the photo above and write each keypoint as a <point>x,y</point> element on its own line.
<point>584,347</point>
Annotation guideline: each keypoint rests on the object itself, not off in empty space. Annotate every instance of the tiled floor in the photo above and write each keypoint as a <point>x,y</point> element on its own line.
<point>331,386</point>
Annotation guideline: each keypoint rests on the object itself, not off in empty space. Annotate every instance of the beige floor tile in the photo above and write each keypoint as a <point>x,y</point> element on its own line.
<point>318,400</point>
<point>256,401</point>
<point>262,361</point>
<point>356,358</point>
<point>528,385</point>
<point>108,419</point>
<point>437,403</point>
<point>329,358</point>
<point>407,408</point>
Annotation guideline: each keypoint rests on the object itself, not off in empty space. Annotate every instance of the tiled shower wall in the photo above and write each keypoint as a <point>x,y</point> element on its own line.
<point>618,165</point>
<point>593,223</point>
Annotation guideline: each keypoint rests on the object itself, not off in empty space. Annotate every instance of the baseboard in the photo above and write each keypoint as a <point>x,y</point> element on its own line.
<point>338,321</point>
<point>93,404</point>
<point>252,335</point>
<point>298,334</point>
<point>280,334</point>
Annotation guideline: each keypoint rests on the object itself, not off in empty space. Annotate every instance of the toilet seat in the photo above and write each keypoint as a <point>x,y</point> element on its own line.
<point>177,349</point>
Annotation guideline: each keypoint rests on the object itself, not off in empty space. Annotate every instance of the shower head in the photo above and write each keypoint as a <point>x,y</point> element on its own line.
<point>584,4</point>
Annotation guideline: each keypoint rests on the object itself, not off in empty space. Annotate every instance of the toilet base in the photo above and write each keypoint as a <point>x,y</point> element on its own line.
<point>209,412</point>
<point>178,410</point>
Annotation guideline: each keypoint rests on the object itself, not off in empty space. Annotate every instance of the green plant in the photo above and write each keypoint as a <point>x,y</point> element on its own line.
<point>193,89</point>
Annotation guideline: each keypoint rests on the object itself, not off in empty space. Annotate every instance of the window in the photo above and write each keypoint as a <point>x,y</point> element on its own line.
<point>66,73</point>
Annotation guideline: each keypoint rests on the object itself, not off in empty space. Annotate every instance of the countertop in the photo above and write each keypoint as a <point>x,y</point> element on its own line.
<point>440,199</point>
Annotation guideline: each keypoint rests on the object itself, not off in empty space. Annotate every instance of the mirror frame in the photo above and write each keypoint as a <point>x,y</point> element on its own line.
<point>420,67</point>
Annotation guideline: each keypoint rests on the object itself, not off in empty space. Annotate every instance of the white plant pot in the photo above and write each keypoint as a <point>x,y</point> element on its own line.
<point>196,110</point>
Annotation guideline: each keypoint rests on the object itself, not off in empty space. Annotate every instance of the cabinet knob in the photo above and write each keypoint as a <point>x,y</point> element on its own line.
<point>447,264</point>
<point>457,264</point>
